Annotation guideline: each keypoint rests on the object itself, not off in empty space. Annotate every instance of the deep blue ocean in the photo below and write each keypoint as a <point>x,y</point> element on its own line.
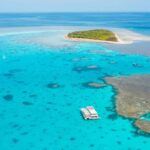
<point>36,115</point>
<point>135,21</point>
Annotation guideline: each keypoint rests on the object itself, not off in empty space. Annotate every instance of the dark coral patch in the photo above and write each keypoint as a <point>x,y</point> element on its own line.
<point>8,75</point>
<point>47,109</point>
<point>50,103</point>
<point>24,133</point>
<point>112,116</point>
<point>15,70</point>
<point>15,125</point>
<point>44,130</point>
<point>8,97</point>
<point>15,140</point>
<point>59,137</point>
<point>92,145</point>
<point>137,65</point>
<point>11,72</point>
<point>53,85</point>
<point>109,109</point>
<point>27,103</point>
<point>118,142</point>
<point>69,104</point>
<point>78,69</point>
<point>33,95</point>
<point>21,82</point>
<point>129,138</point>
<point>72,139</point>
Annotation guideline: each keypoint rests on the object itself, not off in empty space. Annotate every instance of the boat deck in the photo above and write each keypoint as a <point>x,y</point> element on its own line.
<point>89,113</point>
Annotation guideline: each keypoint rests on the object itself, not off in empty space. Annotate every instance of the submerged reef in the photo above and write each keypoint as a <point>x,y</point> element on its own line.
<point>27,103</point>
<point>86,68</point>
<point>133,99</point>
<point>79,59</point>
<point>144,125</point>
<point>12,72</point>
<point>8,97</point>
<point>94,85</point>
<point>53,85</point>
<point>8,75</point>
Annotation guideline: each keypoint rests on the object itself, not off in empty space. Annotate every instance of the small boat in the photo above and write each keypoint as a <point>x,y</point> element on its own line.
<point>89,113</point>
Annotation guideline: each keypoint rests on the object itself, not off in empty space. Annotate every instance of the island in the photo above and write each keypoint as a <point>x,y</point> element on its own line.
<point>98,35</point>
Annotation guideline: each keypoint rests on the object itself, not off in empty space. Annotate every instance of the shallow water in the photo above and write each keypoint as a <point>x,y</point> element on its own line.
<point>37,116</point>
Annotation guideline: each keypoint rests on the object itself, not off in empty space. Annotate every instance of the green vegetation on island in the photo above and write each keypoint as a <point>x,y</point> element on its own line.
<point>99,34</point>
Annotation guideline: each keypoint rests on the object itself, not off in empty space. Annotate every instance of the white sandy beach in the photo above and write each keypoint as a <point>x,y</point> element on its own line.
<point>123,36</point>
<point>128,36</point>
<point>96,41</point>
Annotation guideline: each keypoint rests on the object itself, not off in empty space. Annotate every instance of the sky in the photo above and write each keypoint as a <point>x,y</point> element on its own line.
<point>74,5</point>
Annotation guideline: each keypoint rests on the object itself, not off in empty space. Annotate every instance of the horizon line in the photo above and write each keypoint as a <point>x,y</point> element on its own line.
<point>78,12</point>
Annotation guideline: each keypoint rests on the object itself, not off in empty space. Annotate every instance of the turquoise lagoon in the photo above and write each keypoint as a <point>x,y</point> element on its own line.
<point>34,116</point>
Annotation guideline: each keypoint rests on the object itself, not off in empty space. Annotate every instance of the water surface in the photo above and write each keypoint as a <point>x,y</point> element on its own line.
<point>41,85</point>
<point>37,116</point>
